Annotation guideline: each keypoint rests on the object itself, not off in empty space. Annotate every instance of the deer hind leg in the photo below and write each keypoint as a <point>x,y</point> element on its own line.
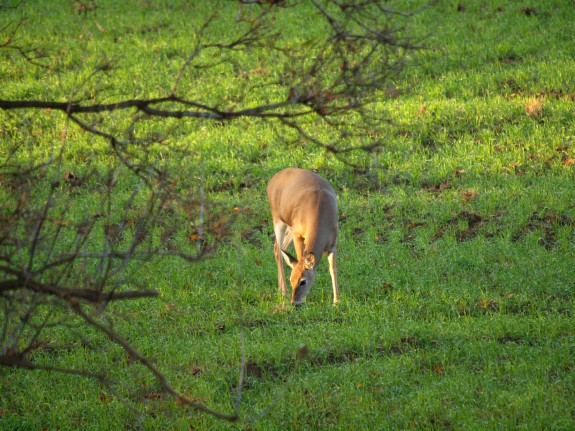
<point>279,229</point>
<point>333,273</point>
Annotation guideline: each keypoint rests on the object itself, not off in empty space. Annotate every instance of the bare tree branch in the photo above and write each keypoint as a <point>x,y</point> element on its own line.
<point>160,377</point>
<point>54,264</point>
<point>92,296</point>
<point>337,75</point>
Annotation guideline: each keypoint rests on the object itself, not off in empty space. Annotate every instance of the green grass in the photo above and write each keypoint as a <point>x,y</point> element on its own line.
<point>455,265</point>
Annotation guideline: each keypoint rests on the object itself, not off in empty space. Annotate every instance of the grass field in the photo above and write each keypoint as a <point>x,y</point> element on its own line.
<point>456,256</point>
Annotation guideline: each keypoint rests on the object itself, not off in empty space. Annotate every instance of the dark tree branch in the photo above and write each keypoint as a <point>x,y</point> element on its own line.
<point>160,377</point>
<point>92,296</point>
<point>147,107</point>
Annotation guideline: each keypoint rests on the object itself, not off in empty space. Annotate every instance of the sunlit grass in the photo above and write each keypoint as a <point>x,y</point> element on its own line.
<point>455,257</point>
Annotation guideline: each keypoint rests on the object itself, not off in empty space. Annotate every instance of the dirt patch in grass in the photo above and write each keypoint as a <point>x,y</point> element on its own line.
<point>548,224</point>
<point>474,223</point>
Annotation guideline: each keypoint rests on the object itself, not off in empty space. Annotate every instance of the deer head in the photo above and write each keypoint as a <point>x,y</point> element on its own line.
<point>302,276</point>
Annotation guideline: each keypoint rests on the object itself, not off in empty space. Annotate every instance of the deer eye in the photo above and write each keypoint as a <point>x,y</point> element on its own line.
<point>302,283</point>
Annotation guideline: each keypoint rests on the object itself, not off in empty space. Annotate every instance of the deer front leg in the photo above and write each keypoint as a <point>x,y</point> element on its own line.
<point>279,229</point>
<point>279,261</point>
<point>333,273</point>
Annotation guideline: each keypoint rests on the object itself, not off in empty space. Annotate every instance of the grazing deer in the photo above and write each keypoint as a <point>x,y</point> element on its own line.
<point>304,209</point>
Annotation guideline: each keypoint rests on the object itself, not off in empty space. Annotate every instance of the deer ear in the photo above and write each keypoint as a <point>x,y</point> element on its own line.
<point>289,259</point>
<point>309,261</point>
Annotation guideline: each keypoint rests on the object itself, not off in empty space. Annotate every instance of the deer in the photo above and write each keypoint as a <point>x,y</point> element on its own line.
<point>304,210</point>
